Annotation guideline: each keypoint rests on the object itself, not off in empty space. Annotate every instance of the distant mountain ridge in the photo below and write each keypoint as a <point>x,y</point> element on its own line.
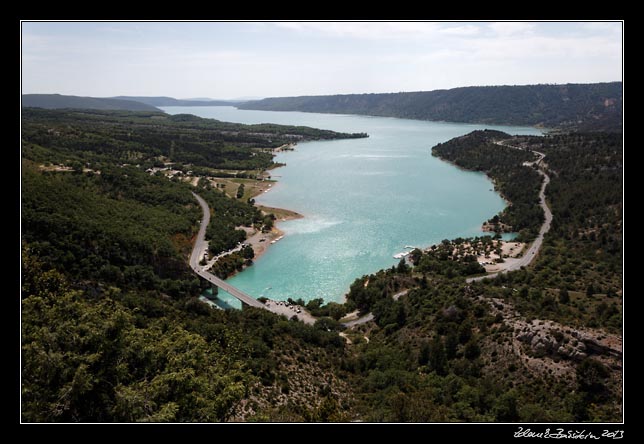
<point>585,107</point>
<point>171,101</point>
<point>129,103</point>
<point>55,101</point>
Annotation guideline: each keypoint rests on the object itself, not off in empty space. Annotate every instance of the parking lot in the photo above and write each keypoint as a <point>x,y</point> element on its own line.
<point>290,310</point>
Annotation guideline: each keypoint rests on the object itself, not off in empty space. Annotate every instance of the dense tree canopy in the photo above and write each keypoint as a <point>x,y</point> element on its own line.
<point>519,185</point>
<point>131,356</point>
<point>150,138</point>
<point>441,352</point>
<point>113,330</point>
<point>596,106</point>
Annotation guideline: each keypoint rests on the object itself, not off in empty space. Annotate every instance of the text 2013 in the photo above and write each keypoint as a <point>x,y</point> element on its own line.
<point>567,434</point>
<point>613,434</point>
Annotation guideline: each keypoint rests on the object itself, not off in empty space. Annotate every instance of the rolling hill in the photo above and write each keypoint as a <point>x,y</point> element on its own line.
<point>585,107</point>
<point>171,101</point>
<point>55,101</point>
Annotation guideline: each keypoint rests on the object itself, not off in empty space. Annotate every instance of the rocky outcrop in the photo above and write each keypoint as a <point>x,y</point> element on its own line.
<point>544,338</point>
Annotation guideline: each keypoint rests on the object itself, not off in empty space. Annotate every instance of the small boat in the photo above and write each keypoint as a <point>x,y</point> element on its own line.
<point>401,255</point>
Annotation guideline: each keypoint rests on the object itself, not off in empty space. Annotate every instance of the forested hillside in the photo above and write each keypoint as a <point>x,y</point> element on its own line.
<point>84,173</point>
<point>593,107</point>
<point>101,353</point>
<point>112,329</point>
<point>170,101</point>
<point>542,344</point>
<point>520,186</point>
<point>55,101</point>
<point>586,196</point>
<point>150,139</point>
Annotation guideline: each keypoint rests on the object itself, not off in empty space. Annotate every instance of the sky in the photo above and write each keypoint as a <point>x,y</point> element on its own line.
<point>231,60</point>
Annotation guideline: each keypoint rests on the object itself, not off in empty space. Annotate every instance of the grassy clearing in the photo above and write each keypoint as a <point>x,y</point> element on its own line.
<point>280,213</point>
<point>252,187</point>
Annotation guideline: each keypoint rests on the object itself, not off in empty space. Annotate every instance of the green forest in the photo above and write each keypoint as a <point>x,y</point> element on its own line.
<point>519,185</point>
<point>113,330</point>
<point>585,107</point>
<point>443,351</point>
<point>106,216</point>
<point>149,139</point>
<point>131,103</point>
<point>55,101</point>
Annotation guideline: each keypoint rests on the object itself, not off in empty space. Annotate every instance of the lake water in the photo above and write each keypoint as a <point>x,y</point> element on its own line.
<point>363,200</point>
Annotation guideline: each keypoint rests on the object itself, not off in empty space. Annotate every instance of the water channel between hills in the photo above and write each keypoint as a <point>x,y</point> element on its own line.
<point>363,200</point>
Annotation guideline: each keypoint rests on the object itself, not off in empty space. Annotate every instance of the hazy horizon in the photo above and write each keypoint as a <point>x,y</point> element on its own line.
<point>233,99</point>
<point>231,60</point>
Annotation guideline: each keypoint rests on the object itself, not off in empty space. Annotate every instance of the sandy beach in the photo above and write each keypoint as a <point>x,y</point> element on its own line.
<point>261,241</point>
<point>257,239</point>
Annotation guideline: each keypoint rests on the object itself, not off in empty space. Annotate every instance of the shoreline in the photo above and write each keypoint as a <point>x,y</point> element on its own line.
<point>493,189</point>
<point>259,241</point>
<point>262,241</point>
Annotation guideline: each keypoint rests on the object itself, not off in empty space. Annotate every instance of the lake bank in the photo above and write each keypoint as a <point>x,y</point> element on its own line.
<point>364,200</point>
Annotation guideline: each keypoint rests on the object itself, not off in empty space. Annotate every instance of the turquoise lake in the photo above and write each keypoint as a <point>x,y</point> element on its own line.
<point>363,200</point>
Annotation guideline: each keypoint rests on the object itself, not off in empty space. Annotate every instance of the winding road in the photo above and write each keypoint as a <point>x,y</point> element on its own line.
<point>525,260</point>
<point>363,320</point>
<point>197,252</point>
<point>199,249</point>
<point>512,263</point>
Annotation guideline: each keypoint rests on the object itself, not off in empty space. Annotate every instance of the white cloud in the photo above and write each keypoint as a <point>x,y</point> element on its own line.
<point>603,27</point>
<point>301,58</point>
<point>539,47</point>
<point>505,29</point>
<point>365,30</point>
<point>464,30</point>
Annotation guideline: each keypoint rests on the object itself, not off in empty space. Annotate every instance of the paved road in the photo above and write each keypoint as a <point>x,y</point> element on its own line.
<point>363,320</point>
<point>528,257</point>
<point>198,251</point>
